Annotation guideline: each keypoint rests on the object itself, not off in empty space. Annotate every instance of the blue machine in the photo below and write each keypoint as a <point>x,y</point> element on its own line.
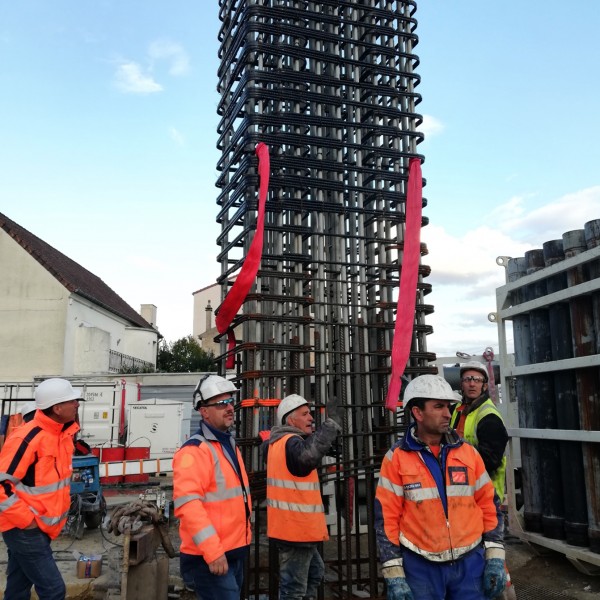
<point>88,505</point>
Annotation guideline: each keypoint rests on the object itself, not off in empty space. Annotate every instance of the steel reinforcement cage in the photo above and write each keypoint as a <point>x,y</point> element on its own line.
<point>329,87</point>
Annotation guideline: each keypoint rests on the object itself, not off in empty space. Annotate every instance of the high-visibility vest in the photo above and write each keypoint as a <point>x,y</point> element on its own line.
<point>295,511</point>
<point>413,510</point>
<point>35,475</point>
<point>211,503</point>
<point>470,434</point>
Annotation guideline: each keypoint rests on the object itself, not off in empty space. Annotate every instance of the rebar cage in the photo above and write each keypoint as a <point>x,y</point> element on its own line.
<point>329,87</point>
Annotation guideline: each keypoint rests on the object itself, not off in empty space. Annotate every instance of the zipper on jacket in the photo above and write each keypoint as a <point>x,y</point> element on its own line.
<point>445,471</point>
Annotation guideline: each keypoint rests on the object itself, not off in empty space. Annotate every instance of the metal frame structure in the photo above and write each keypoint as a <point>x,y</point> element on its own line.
<point>330,88</point>
<point>507,310</point>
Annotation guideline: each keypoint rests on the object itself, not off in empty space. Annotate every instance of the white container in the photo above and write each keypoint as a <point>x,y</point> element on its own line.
<point>163,425</point>
<point>99,414</point>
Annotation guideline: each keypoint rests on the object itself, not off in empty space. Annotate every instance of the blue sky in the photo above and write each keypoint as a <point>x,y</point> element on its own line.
<point>108,134</point>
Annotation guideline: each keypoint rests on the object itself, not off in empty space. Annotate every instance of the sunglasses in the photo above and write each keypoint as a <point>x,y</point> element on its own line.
<point>221,403</point>
<point>474,379</point>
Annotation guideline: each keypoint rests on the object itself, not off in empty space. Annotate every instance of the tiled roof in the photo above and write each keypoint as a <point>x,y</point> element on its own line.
<point>72,275</point>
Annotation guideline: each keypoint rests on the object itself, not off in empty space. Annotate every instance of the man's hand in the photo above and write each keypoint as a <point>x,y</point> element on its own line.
<point>219,566</point>
<point>395,580</point>
<point>494,577</point>
<point>397,589</point>
<point>334,411</point>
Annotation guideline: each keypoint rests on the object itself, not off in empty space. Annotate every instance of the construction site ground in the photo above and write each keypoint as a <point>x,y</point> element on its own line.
<point>538,574</point>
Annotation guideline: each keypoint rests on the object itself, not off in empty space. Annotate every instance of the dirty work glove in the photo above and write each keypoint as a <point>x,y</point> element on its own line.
<point>397,589</point>
<point>494,574</point>
<point>395,581</point>
<point>334,411</point>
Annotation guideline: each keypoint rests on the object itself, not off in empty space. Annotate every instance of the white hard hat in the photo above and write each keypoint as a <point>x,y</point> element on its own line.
<point>210,386</point>
<point>28,407</point>
<point>287,405</point>
<point>54,391</point>
<point>474,365</point>
<point>429,387</point>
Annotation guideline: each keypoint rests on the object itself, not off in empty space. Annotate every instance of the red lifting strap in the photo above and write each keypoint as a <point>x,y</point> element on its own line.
<point>407,296</point>
<point>238,292</point>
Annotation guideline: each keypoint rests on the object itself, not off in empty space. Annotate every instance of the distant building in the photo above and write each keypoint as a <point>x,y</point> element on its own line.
<point>204,330</point>
<point>206,301</point>
<point>57,318</point>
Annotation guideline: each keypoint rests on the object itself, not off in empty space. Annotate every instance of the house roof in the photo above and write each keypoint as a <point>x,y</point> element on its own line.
<point>213,285</point>
<point>71,274</point>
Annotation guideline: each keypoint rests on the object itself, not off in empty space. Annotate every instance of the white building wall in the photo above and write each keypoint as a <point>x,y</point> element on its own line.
<point>141,343</point>
<point>33,306</point>
<point>45,330</point>
<point>92,331</point>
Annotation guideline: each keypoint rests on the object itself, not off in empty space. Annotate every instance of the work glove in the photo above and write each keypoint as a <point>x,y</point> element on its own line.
<point>395,581</point>
<point>494,574</point>
<point>397,589</point>
<point>334,411</point>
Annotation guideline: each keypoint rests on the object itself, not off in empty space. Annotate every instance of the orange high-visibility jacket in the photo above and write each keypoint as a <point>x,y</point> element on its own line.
<point>295,510</point>
<point>35,475</point>
<point>412,508</point>
<point>213,507</point>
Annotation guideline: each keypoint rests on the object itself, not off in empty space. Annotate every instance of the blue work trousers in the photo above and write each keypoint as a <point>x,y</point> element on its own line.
<point>301,570</point>
<point>457,580</point>
<point>30,562</point>
<point>212,587</point>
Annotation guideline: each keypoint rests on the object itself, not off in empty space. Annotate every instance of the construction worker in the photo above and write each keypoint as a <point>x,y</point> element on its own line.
<point>211,497</point>
<point>295,512</point>
<point>435,519</point>
<point>35,475</point>
<point>479,422</point>
<point>28,411</point>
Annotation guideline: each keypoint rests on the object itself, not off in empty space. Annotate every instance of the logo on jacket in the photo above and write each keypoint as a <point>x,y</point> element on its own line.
<point>458,475</point>
<point>412,486</point>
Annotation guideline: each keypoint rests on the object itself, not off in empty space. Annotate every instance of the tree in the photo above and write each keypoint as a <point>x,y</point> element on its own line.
<point>184,356</point>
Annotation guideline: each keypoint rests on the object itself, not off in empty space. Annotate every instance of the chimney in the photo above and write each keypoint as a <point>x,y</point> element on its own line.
<point>148,312</point>
<point>208,310</point>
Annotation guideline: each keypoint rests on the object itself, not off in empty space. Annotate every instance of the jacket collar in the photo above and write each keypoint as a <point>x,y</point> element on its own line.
<point>475,404</point>
<point>210,433</point>
<point>412,443</point>
<point>280,430</point>
<point>50,425</point>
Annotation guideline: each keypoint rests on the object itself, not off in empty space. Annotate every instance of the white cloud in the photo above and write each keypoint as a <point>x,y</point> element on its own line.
<point>174,53</point>
<point>131,79</point>
<point>176,136</point>
<point>464,273</point>
<point>550,221</point>
<point>431,126</point>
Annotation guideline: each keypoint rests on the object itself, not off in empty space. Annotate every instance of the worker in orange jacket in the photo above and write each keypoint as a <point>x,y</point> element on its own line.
<point>35,476</point>
<point>295,512</point>
<point>211,497</point>
<point>435,519</point>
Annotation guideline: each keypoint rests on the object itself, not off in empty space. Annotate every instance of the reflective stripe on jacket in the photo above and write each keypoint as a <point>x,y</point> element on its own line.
<point>440,520</point>
<point>295,510</point>
<point>210,502</point>
<point>35,475</point>
<point>471,423</point>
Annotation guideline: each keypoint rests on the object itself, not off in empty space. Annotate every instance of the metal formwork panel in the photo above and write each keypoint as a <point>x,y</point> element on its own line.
<point>330,88</point>
<point>573,364</point>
